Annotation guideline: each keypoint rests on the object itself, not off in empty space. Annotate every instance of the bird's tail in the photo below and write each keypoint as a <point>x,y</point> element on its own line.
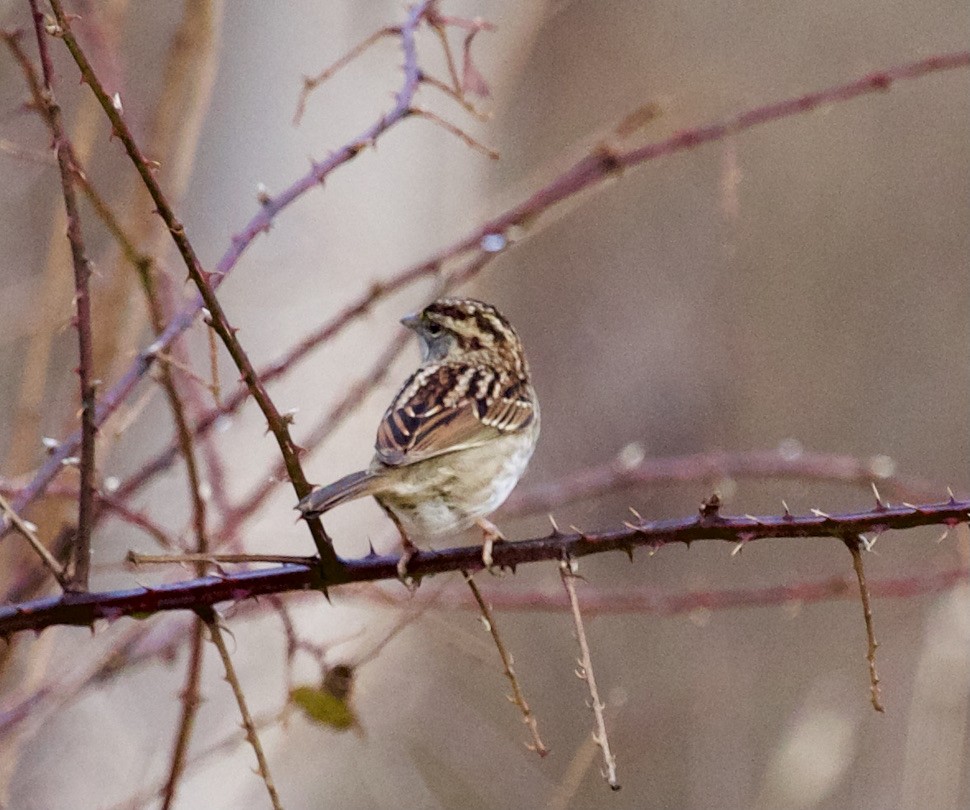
<point>355,485</point>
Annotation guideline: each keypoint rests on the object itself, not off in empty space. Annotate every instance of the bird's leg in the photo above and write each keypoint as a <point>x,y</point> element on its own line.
<point>408,550</point>
<point>491,536</point>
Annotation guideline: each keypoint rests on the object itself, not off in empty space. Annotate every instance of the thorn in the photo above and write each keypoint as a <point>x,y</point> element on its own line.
<point>949,492</point>
<point>629,551</point>
<point>880,506</point>
<point>946,533</point>
<point>737,548</point>
<point>635,514</point>
<point>710,507</point>
<point>820,513</point>
<point>555,526</point>
<point>788,514</point>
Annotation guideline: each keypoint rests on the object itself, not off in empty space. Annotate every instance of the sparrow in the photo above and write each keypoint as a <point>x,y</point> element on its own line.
<point>458,436</point>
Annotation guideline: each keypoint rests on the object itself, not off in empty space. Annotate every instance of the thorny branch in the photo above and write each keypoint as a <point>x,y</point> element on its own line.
<point>208,615</point>
<point>518,697</point>
<point>84,609</point>
<point>854,543</point>
<point>82,312</point>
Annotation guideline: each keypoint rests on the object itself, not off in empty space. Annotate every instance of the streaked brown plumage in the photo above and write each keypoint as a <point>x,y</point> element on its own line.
<point>458,435</point>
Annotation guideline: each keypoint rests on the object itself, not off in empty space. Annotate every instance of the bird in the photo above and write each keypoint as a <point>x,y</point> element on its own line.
<point>458,435</point>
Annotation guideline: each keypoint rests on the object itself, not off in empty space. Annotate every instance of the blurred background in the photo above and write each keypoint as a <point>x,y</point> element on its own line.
<point>802,285</point>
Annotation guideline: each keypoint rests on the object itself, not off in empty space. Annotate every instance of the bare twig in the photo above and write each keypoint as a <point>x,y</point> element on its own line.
<point>204,557</point>
<point>608,601</point>
<point>190,703</point>
<point>209,617</point>
<point>853,543</point>
<point>458,132</point>
<point>617,475</point>
<point>518,698</point>
<point>31,537</point>
<point>311,83</point>
<point>567,570</point>
<point>82,314</point>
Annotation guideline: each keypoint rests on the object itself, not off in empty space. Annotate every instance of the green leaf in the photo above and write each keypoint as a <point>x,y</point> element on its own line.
<point>323,707</point>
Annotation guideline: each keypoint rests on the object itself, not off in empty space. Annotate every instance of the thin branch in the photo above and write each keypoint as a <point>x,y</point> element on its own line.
<point>84,609</point>
<point>589,172</point>
<point>214,559</point>
<point>202,279</point>
<point>619,474</point>
<point>518,698</point>
<point>567,571</point>
<point>31,537</point>
<point>190,700</point>
<point>311,83</point>
<point>458,132</point>
<point>613,601</point>
<point>853,543</point>
<point>209,617</point>
<point>320,432</point>
<point>82,314</point>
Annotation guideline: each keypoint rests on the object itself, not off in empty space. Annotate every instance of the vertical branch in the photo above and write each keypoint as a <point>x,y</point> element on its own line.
<point>208,615</point>
<point>853,543</point>
<point>190,704</point>
<point>277,423</point>
<point>518,698</point>
<point>567,570</point>
<point>82,317</point>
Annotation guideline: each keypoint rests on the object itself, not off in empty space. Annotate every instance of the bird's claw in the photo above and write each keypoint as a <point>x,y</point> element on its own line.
<point>492,535</point>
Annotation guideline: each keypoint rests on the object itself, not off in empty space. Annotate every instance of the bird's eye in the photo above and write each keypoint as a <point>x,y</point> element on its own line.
<point>434,329</point>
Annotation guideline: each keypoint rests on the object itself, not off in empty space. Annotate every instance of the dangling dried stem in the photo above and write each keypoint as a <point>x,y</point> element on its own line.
<point>853,544</point>
<point>518,698</point>
<point>208,615</point>
<point>567,570</point>
<point>458,132</point>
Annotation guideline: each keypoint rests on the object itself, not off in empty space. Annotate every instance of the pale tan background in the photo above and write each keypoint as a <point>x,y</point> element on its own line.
<point>806,280</point>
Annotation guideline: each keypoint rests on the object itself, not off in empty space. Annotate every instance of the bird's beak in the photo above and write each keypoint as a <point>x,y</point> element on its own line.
<point>412,321</point>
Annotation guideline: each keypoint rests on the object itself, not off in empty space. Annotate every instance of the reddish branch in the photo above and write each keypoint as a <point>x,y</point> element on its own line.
<point>85,609</point>
<point>82,310</point>
<point>614,476</point>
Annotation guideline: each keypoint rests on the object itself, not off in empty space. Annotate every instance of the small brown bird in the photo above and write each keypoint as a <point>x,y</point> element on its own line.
<point>457,437</point>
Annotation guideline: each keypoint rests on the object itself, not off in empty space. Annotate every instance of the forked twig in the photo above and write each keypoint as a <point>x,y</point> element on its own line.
<point>567,571</point>
<point>518,698</point>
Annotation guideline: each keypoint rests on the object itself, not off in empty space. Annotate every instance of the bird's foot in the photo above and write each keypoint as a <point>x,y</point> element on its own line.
<point>408,550</point>
<point>491,536</point>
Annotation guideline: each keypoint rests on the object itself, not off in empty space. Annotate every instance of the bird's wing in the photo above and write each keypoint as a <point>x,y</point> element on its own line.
<point>444,408</point>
